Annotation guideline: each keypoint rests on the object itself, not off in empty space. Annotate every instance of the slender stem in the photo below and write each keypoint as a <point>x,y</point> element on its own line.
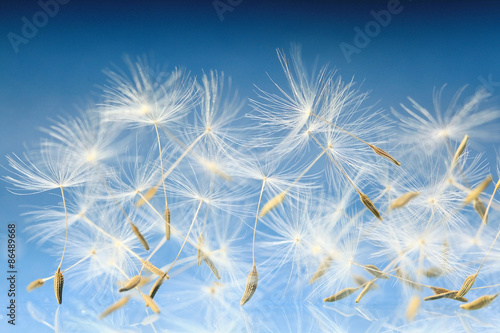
<point>305,171</point>
<point>161,166</point>
<point>66,218</point>
<point>340,128</point>
<point>256,219</point>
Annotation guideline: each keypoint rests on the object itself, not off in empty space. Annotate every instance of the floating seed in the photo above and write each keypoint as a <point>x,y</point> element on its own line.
<point>413,307</point>
<point>460,150</point>
<point>155,287</point>
<point>385,154</point>
<point>140,236</point>
<point>322,269</point>
<point>375,271</point>
<point>403,200</point>
<point>152,268</point>
<point>150,303</point>
<point>341,294</point>
<point>35,284</point>
<point>58,284</point>
<point>477,191</point>
<point>252,282</point>
<point>211,265</point>
<point>148,196</point>
<point>366,289</point>
<point>199,253</point>
<point>271,204</point>
<point>479,303</point>
<point>469,281</point>
<point>167,223</point>
<point>433,272</point>
<point>132,283</point>
<point>449,294</point>
<point>369,205</point>
<point>115,307</point>
<point>480,209</point>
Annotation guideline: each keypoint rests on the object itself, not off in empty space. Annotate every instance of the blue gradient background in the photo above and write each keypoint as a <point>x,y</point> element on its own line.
<point>428,44</point>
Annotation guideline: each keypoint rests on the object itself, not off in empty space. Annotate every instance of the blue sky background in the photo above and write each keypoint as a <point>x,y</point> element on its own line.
<point>427,44</point>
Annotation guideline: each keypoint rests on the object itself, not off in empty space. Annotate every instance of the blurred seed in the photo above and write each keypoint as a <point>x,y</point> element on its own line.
<point>478,190</point>
<point>369,205</point>
<point>385,154</point>
<point>322,268</point>
<point>115,307</point>
<point>271,204</point>
<point>375,271</point>
<point>147,196</point>
<point>211,265</point>
<point>152,268</point>
<point>469,281</point>
<point>150,303</point>
<point>58,284</point>
<point>199,253</point>
<point>433,272</point>
<point>140,236</point>
<point>35,284</point>
<point>480,209</point>
<point>460,150</point>
<point>251,286</point>
<point>403,200</point>
<point>155,287</point>
<point>132,283</point>
<point>367,288</point>
<point>167,223</point>
<point>413,306</point>
<point>341,294</point>
<point>479,303</point>
<point>449,294</point>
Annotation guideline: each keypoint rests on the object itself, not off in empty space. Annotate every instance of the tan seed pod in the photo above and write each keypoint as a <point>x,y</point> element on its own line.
<point>211,265</point>
<point>433,272</point>
<point>150,303</point>
<point>367,288</point>
<point>152,268</point>
<point>121,303</point>
<point>449,294</point>
<point>479,303</point>
<point>360,280</point>
<point>385,154</point>
<point>475,193</point>
<point>403,200</point>
<point>413,306</point>
<point>132,283</point>
<point>251,286</point>
<point>369,205</point>
<point>271,204</point>
<point>375,271</point>
<point>323,267</point>
<point>58,284</point>
<point>480,209</point>
<point>469,281</point>
<point>140,236</point>
<point>147,196</point>
<point>35,284</point>
<point>199,253</point>
<point>341,294</point>
<point>460,150</point>
<point>167,223</point>
<point>155,287</point>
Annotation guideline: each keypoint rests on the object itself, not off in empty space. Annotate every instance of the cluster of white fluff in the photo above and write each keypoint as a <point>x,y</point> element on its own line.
<point>312,175</point>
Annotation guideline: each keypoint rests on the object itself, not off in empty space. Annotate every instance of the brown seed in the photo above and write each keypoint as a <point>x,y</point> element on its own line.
<point>140,236</point>
<point>460,150</point>
<point>322,268</point>
<point>479,303</point>
<point>385,154</point>
<point>375,271</point>
<point>115,307</point>
<point>211,265</point>
<point>150,303</point>
<point>367,288</point>
<point>155,287</point>
<point>478,190</point>
<point>449,294</point>
<point>35,284</point>
<point>341,294</point>
<point>433,272</point>
<point>480,209</point>
<point>403,200</point>
<point>369,205</point>
<point>413,306</point>
<point>251,286</point>
<point>152,268</point>
<point>199,253</point>
<point>469,281</point>
<point>147,196</point>
<point>58,284</point>
<point>271,204</point>
<point>360,280</point>
<point>167,223</point>
<point>132,283</point>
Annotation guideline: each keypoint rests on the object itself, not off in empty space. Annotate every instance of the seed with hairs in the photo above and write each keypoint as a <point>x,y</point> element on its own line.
<point>367,288</point>
<point>152,268</point>
<point>375,271</point>
<point>140,236</point>
<point>35,284</point>
<point>403,200</point>
<point>341,294</point>
<point>58,284</point>
<point>480,209</point>
<point>114,307</point>
<point>385,154</point>
<point>167,223</point>
<point>155,287</point>
<point>413,306</point>
<point>322,268</point>
<point>211,265</point>
<point>132,283</point>
<point>469,281</point>
<point>199,253</point>
<point>150,303</point>
<point>479,303</point>
<point>251,286</point>
<point>147,196</point>
<point>477,191</point>
<point>369,204</point>
<point>460,150</point>
<point>271,204</point>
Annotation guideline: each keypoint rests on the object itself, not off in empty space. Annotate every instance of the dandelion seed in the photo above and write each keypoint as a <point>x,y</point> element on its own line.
<point>155,287</point>
<point>413,306</point>
<point>480,209</point>
<point>477,191</point>
<point>433,272</point>
<point>369,205</point>
<point>479,303</point>
<point>150,303</point>
<point>147,196</point>
<point>460,150</point>
<point>366,289</point>
<point>35,284</point>
<point>251,286</point>
<point>360,280</point>
<point>448,294</point>
<point>58,284</point>
<point>469,281</point>
<point>132,283</point>
<point>322,269</point>
<point>167,223</point>
<point>375,271</point>
<point>140,236</point>
<point>152,268</point>
<point>211,265</point>
<point>383,153</point>
<point>271,204</point>
<point>403,200</point>
<point>121,303</point>
<point>341,294</point>
<point>199,252</point>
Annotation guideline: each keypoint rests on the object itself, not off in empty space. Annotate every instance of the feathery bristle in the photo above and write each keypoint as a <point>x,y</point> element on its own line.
<point>147,196</point>
<point>121,303</point>
<point>251,286</point>
<point>271,204</point>
<point>132,283</point>
<point>35,284</point>
<point>479,303</point>
<point>369,205</point>
<point>58,284</point>
<point>140,236</point>
<point>322,268</point>
<point>341,294</point>
<point>403,200</point>
<point>385,154</point>
<point>475,193</point>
